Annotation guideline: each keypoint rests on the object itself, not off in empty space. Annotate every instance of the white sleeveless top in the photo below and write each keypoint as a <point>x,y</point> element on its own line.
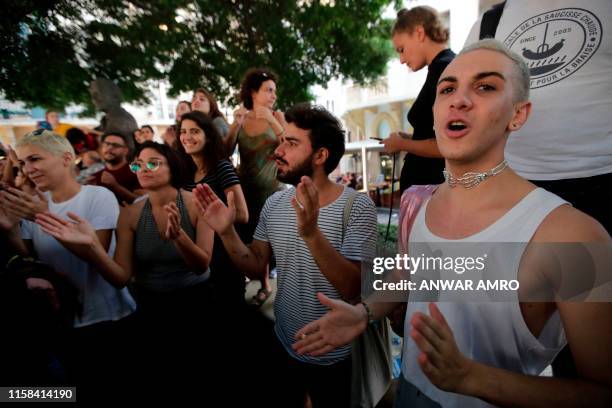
<point>493,333</point>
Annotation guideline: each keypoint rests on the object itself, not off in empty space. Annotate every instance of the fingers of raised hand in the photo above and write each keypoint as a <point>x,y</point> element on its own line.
<point>424,329</point>
<point>312,193</point>
<point>15,204</point>
<point>231,200</point>
<point>51,223</point>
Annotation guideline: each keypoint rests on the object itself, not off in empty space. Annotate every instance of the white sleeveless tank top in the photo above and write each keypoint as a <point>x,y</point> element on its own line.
<point>493,333</point>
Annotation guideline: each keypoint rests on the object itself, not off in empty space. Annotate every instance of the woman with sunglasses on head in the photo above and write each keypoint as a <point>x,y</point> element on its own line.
<point>257,136</point>
<point>420,40</point>
<point>165,247</point>
<point>203,144</point>
<point>48,160</point>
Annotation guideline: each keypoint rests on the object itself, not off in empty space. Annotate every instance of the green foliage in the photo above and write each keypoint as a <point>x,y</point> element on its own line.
<point>382,233</point>
<point>51,49</point>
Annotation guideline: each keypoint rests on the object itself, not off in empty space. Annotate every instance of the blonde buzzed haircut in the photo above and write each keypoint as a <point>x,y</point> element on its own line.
<point>521,88</point>
<point>48,141</point>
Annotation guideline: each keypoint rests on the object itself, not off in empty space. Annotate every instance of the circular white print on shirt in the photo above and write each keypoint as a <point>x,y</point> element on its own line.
<point>556,44</point>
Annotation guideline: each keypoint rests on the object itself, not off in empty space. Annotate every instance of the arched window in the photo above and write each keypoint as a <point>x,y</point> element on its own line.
<point>384,129</point>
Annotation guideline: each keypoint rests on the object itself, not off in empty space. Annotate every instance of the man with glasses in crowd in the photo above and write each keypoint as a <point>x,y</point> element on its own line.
<point>116,175</point>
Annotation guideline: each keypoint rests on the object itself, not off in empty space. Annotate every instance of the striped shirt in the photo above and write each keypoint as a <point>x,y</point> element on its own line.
<point>299,278</point>
<point>220,178</point>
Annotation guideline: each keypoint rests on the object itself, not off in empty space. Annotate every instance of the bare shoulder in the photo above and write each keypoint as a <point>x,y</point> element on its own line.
<point>567,224</point>
<point>130,214</point>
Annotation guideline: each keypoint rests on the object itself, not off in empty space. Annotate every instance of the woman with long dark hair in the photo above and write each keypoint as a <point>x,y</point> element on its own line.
<point>203,144</point>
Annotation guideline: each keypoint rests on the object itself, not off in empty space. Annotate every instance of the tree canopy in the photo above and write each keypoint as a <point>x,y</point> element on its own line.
<point>50,50</point>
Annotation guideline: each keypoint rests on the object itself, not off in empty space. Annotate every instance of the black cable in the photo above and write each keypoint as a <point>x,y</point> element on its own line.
<point>391,204</point>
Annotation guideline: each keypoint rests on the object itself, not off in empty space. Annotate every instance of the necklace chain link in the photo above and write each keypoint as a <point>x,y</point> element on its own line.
<point>472,179</point>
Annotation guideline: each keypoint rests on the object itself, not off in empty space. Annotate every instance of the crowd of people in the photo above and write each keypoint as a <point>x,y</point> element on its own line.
<point>131,264</point>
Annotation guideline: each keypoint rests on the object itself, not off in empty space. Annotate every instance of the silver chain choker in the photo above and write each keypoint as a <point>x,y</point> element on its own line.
<point>472,179</point>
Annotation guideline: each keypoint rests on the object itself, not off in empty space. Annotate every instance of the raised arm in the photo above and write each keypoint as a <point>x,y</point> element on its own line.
<point>342,273</point>
<point>252,260</point>
<point>9,225</point>
<point>242,211</point>
<point>399,141</point>
<point>230,140</point>
<point>196,254</point>
<point>79,237</point>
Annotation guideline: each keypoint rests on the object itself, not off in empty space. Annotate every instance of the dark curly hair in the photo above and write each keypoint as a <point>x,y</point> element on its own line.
<point>252,81</point>
<point>325,131</point>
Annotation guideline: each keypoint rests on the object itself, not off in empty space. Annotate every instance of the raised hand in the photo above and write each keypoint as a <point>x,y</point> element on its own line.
<point>440,359</point>
<point>216,214</point>
<point>23,205</point>
<point>392,143</point>
<point>173,226</point>
<point>262,112</point>
<point>341,325</point>
<point>7,220</point>
<point>306,206</point>
<point>280,117</point>
<point>240,114</point>
<point>77,231</point>
<point>7,175</point>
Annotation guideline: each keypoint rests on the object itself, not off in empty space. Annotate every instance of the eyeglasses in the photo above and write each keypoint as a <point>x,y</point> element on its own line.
<point>113,145</point>
<point>151,165</point>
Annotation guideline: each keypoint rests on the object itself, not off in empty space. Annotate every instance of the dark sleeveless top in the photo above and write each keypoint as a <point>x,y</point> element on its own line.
<point>417,169</point>
<point>158,265</point>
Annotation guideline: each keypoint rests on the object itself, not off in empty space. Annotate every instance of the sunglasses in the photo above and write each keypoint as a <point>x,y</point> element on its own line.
<point>151,165</point>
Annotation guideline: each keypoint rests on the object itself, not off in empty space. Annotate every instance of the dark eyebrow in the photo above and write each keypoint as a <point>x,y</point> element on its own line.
<point>448,79</point>
<point>477,77</point>
<point>488,74</point>
<point>292,138</point>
